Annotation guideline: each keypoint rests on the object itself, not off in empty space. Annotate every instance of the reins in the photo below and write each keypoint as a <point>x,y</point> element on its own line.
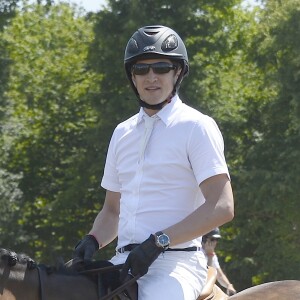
<point>121,288</point>
<point>102,270</point>
<point>116,291</point>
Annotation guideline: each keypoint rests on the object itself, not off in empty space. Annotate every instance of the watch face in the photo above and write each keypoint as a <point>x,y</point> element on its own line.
<point>164,240</point>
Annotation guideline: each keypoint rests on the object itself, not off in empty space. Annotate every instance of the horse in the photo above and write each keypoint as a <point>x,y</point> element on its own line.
<point>21,278</point>
<point>276,290</point>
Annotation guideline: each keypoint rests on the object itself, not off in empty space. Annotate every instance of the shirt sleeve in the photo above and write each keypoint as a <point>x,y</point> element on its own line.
<point>206,150</point>
<point>110,177</point>
<point>215,262</point>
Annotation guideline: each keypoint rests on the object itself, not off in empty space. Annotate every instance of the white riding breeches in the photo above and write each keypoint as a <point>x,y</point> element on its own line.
<point>172,276</point>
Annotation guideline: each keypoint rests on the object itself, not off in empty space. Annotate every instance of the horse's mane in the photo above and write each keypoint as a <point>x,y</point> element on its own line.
<point>12,258</point>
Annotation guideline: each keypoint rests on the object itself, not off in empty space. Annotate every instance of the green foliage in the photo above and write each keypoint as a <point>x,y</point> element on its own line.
<point>10,203</point>
<point>47,119</point>
<point>268,196</point>
<point>7,11</point>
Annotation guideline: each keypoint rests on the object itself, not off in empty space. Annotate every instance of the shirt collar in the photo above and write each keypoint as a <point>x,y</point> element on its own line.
<point>166,114</point>
<point>140,116</point>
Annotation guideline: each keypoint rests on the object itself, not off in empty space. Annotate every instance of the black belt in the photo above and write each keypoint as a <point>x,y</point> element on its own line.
<point>132,246</point>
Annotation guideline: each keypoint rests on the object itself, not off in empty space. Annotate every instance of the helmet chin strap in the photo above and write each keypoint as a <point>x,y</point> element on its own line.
<point>158,106</point>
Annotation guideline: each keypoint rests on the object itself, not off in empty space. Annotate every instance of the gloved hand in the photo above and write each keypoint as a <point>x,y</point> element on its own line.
<point>86,248</point>
<point>140,258</point>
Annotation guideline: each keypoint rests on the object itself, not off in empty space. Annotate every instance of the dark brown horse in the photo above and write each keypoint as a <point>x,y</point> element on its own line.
<point>22,279</point>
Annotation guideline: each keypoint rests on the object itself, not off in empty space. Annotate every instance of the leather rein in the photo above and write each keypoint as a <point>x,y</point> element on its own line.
<point>116,291</point>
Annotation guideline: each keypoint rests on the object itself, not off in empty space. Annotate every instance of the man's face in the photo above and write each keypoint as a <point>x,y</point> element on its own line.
<point>153,87</point>
<point>210,244</point>
<point>212,240</point>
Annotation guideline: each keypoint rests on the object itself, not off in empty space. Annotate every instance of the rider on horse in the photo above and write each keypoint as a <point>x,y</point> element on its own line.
<point>166,178</point>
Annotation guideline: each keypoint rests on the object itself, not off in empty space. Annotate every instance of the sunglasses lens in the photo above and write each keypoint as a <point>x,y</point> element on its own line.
<point>158,68</point>
<point>140,69</point>
<point>162,68</point>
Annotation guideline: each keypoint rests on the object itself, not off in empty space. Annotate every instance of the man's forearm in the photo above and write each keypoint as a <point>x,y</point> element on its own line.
<point>105,228</point>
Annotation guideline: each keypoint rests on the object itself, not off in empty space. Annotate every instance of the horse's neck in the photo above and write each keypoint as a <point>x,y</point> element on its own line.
<point>25,284</point>
<point>67,287</point>
<point>18,281</point>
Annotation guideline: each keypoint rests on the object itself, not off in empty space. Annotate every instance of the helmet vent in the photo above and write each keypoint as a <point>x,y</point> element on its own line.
<point>132,46</point>
<point>170,43</point>
<point>150,33</point>
<point>152,30</point>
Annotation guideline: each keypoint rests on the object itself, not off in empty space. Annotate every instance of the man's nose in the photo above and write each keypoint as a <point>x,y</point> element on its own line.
<point>151,75</point>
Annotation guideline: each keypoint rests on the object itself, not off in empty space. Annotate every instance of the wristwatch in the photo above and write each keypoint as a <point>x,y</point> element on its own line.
<point>162,240</point>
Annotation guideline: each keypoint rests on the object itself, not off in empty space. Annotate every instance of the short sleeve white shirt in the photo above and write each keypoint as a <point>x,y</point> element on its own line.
<point>161,188</point>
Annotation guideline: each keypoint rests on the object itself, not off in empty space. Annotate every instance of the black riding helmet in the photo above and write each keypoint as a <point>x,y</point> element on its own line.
<point>215,233</point>
<point>154,42</point>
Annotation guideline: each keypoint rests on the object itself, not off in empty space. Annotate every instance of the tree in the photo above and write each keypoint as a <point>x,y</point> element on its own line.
<point>9,192</point>
<point>47,120</point>
<point>10,202</point>
<point>7,11</point>
<point>269,181</point>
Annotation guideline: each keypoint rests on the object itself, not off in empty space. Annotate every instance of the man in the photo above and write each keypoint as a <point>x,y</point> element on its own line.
<point>165,176</point>
<point>209,243</point>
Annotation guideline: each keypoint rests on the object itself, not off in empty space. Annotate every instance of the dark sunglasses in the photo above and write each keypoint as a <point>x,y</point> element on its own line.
<point>158,68</point>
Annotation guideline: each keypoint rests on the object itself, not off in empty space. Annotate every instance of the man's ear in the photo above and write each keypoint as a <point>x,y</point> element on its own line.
<point>133,80</point>
<point>178,71</point>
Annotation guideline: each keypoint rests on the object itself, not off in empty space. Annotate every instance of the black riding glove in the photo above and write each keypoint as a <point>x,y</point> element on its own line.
<point>86,248</point>
<point>140,258</point>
